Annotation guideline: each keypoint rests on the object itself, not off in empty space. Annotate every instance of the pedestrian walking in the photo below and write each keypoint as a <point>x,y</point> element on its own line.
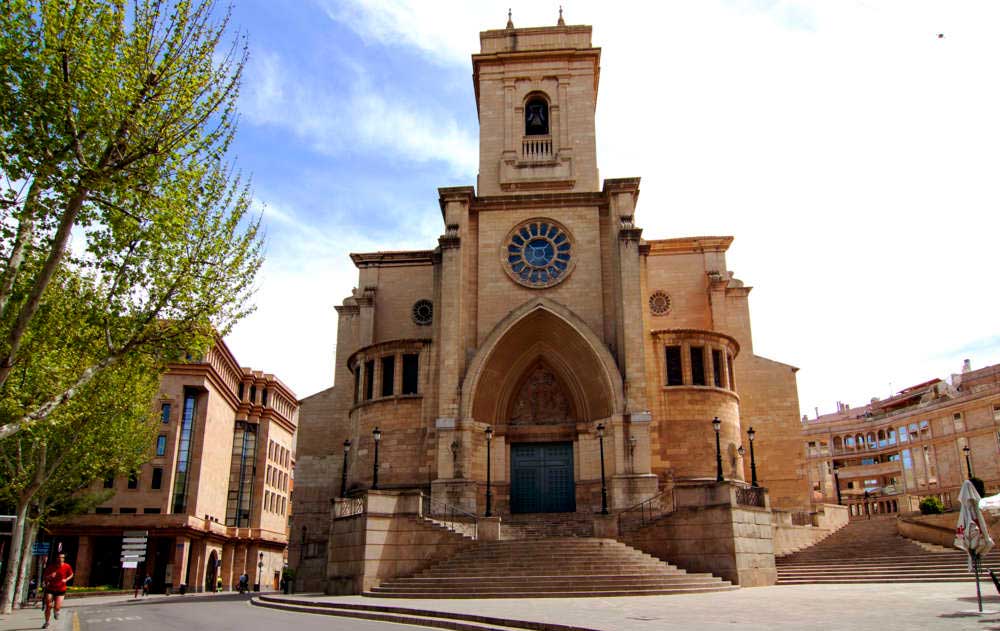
<point>56,575</point>
<point>218,584</point>
<point>147,584</point>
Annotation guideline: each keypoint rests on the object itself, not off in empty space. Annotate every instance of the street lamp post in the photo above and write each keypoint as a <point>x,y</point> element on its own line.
<point>968,461</point>
<point>489,472</point>
<point>753,462</point>
<point>260,570</point>
<point>604,485</point>
<point>717,425</point>
<point>836,482</point>
<point>377,435</point>
<point>343,473</point>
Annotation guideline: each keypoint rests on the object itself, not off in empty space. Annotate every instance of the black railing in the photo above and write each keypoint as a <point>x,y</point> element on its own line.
<point>449,516</point>
<point>645,512</point>
<point>750,496</point>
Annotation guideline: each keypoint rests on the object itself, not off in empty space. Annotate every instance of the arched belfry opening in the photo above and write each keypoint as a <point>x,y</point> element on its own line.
<point>536,116</point>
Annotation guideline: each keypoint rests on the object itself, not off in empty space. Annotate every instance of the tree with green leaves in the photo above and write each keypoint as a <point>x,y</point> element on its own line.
<point>115,123</point>
<point>125,237</point>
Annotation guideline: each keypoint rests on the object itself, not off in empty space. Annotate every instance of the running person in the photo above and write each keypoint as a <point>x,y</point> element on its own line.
<point>56,575</point>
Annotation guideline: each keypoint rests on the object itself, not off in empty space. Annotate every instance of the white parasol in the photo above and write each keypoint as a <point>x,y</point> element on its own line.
<point>990,504</point>
<point>971,533</point>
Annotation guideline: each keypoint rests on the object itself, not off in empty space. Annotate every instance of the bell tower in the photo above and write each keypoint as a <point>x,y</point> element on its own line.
<point>536,94</point>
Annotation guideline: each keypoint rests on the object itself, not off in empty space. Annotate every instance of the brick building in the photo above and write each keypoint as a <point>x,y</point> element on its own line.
<point>542,313</point>
<point>214,499</point>
<point>888,454</point>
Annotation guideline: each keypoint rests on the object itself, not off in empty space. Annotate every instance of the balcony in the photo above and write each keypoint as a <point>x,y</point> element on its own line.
<point>537,149</point>
<point>869,470</point>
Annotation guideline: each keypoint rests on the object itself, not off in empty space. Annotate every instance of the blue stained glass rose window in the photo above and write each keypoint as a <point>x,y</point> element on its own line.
<point>538,253</point>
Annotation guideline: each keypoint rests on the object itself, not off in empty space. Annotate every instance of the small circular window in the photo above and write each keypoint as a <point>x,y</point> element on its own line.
<point>423,312</point>
<point>659,303</point>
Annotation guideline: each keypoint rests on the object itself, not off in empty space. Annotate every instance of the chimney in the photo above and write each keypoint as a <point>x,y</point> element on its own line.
<point>967,366</point>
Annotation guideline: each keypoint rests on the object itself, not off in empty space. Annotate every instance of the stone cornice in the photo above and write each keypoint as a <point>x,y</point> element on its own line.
<point>397,258</point>
<point>455,194</point>
<point>347,310</point>
<point>689,245</point>
<point>539,200</point>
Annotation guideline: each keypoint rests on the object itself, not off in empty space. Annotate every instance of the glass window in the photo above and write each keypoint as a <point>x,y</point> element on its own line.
<point>157,478</point>
<point>165,413</point>
<point>239,499</point>
<point>410,373</point>
<point>239,391</point>
<point>388,374</point>
<point>151,511</point>
<point>161,444</point>
<point>357,384</point>
<point>892,436</point>
<point>253,394</point>
<point>902,434</point>
<point>109,481</point>
<point>959,422</point>
<point>103,510</point>
<point>263,397</point>
<point>717,368</point>
<point>732,375</point>
<point>369,380</point>
<point>126,511</point>
<point>184,453</point>
<point>698,365</point>
<point>133,479</point>
<point>674,374</point>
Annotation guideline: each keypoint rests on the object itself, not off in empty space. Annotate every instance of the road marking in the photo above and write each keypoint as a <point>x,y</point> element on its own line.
<point>76,621</point>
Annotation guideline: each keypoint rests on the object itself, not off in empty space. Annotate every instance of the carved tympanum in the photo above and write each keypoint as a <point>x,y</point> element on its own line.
<point>541,400</point>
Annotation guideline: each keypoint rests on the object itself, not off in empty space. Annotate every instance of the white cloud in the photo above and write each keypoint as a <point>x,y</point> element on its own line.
<point>360,121</point>
<point>850,150</point>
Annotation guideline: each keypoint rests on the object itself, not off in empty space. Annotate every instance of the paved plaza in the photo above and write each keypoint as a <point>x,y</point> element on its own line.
<point>886,607</point>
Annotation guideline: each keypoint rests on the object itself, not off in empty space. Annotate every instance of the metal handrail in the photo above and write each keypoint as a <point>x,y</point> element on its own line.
<point>451,517</point>
<point>645,512</point>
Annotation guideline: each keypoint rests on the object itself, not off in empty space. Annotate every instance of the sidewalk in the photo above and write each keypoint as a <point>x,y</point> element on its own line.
<point>23,619</point>
<point>882,607</point>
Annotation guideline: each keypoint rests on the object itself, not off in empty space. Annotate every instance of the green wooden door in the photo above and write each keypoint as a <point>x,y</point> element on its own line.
<point>541,478</point>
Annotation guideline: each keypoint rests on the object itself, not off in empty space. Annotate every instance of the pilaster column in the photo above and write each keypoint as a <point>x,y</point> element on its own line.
<point>229,578</point>
<point>83,560</point>
<point>182,550</point>
<point>455,203</point>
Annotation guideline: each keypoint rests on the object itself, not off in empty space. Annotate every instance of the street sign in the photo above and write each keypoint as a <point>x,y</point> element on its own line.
<point>134,546</point>
<point>40,549</point>
<point>128,540</point>
<point>130,564</point>
<point>136,533</point>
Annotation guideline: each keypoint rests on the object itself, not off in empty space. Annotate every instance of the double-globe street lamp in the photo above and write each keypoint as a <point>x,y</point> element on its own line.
<point>377,435</point>
<point>604,485</point>
<point>489,472</point>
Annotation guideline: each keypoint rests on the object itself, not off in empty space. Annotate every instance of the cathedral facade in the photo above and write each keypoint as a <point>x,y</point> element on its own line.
<point>542,333</point>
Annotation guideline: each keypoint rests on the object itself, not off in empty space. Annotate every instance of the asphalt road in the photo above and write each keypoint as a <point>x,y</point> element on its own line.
<point>217,613</point>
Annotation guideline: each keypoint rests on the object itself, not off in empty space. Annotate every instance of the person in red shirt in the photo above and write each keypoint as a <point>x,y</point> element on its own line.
<point>55,576</point>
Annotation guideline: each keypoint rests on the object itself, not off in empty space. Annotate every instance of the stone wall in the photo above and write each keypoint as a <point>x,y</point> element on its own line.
<point>939,529</point>
<point>390,539</point>
<point>710,532</point>
<point>789,538</point>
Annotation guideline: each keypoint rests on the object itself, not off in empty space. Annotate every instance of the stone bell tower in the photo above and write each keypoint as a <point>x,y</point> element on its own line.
<point>536,94</point>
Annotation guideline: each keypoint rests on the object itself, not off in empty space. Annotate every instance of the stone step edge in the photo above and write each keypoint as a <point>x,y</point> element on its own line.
<point>589,594</point>
<point>419,617</point>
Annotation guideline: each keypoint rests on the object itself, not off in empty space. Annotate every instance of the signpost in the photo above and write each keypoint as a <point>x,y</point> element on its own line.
<point>133,549</point>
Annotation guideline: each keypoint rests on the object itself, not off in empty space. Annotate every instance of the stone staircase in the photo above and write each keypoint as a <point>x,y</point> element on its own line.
<point>543,525</point>
<point>871,551</point>
<point>549,567</point>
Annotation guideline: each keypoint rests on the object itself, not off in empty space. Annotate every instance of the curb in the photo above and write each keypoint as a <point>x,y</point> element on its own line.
<point>422,617</point>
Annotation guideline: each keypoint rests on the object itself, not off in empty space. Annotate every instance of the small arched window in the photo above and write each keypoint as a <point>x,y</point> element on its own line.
<point>536,117</point>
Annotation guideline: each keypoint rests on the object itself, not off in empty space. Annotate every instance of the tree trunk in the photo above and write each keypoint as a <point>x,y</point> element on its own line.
<point>14,564</point>
<point>25,568</point>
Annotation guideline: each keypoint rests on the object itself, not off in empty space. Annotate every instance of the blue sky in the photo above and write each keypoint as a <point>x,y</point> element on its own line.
<point>851,151</point>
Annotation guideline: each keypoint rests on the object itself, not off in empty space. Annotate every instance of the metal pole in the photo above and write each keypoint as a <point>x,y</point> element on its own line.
<point>604,486</point>
<point>968,463</point>
<point>718,458</point>
<point>753,468</point>
<point>343,473</point>
<point>489,475</point>
<point>836,482</point>
<point>375,468</point>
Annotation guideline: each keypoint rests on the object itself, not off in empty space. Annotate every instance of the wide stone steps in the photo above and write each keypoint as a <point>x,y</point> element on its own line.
<point>871,551</point>
<point>553,567</point>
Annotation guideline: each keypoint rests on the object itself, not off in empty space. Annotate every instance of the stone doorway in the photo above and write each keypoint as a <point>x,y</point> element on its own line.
<point>541,478</point>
